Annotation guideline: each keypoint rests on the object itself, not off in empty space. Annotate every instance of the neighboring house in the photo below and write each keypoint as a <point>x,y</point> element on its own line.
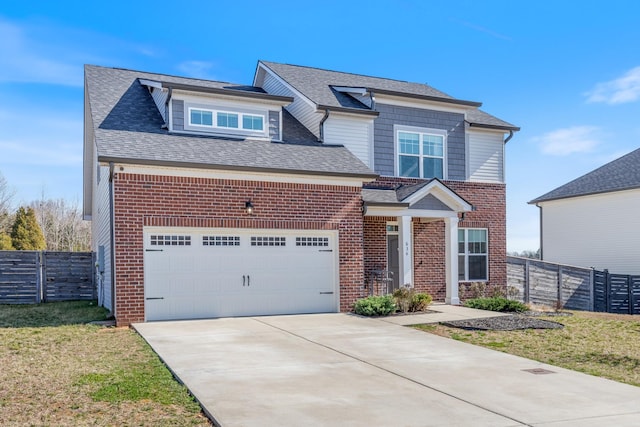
<point>213,199</point>
<point>593,220</point>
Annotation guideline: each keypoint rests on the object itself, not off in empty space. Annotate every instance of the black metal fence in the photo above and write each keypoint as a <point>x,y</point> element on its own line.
<point>616,293</point>
<point>28,277</point>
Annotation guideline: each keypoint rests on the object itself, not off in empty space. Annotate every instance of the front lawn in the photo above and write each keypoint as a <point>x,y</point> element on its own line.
<point>58,370</point>
<point>600,344</point>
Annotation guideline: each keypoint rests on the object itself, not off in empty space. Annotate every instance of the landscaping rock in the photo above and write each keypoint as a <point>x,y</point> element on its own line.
<point>504,323</point>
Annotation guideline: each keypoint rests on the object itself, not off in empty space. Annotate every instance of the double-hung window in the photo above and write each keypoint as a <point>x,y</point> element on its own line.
<point>473,255</point>
<point>421,154</point>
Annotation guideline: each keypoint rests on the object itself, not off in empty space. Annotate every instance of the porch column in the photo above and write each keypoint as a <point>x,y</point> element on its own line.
<point>405,247</point>
<point>451,259</point>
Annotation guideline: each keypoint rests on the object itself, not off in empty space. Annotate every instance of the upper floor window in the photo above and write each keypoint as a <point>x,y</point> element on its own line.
<point>228,120</point>
<point>250,121</point>
<point>201,117</point>
<point>421,153</point>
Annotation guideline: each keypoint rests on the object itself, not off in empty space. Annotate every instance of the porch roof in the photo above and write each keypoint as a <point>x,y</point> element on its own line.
<point>426,199</point>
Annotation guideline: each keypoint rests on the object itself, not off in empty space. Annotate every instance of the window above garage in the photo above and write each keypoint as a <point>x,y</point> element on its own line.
<point>218,118</point>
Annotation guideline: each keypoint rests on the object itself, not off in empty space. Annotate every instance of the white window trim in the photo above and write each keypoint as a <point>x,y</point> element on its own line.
<point>423,131</point>
<point>214,121</point>
<point>466,255</point>
<point>213,117</point>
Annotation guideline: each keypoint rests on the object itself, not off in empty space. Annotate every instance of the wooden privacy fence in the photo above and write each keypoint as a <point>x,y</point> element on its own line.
<point>556,285</point>
<point>550,284</point>
<point>28,277</point>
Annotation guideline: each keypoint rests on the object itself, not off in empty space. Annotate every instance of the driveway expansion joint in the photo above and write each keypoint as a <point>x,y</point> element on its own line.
<point>522,423</point>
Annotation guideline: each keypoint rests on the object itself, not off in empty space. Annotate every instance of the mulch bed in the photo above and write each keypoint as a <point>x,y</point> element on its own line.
<point>504,323</point>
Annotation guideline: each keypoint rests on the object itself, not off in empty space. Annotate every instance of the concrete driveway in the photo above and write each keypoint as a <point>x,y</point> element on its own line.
<point>339,369</point>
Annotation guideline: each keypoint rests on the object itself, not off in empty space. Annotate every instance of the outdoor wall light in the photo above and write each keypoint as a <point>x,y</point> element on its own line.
<point>248,206</point>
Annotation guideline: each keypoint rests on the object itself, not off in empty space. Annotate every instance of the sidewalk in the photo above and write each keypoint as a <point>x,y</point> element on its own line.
<point>444,313</point>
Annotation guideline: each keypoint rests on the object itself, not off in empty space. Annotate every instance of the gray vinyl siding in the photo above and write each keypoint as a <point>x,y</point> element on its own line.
<point>160,97</point>
<point>300,109</point>
<point>390,115</point>
<point>101,229</point>
<point>430,202</point>
<point>177,114</point>
<point>274,125</point>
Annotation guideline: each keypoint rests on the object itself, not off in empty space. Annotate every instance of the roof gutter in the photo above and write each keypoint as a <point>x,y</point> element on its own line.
<point>148,162</point>
<point>324,119</point>
<point>498,127</point>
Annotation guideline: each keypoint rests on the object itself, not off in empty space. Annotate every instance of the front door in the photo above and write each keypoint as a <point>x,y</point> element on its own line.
<point>393,261</point>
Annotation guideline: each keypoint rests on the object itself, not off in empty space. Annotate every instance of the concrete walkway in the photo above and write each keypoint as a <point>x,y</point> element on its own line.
<point>340,369</point>
<point>442,313</point>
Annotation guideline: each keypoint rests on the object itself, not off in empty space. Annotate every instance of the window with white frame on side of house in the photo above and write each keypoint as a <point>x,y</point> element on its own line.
<point>421,152</point>
<point>473,254</point>
<point>211,118</point>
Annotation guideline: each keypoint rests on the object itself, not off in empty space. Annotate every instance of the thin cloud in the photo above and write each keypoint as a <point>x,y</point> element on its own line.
<point>18,153</point>
<point>40,51</point>
<point>26,60</point>
<point>618,91</point>
<point>198,69</point>
<point>54,140</point>
<point>482,30</point>
<point>563,142</point>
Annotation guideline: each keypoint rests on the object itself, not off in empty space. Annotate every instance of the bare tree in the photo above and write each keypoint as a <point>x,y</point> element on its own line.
<point>526,254</point>
<point>6,199</point>
<point>62,225</point>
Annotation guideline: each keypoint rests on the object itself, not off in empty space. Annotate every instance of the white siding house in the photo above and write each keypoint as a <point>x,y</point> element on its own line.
<point>593,220</point>
<point>599,230</point>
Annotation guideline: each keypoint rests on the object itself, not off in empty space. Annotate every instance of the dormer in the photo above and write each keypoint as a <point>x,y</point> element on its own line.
<point>219,109</point>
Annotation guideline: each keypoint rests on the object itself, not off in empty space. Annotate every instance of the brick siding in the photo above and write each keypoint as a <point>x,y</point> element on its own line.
<point>169,201</point>
<point>150,200</point>
<point>489,201</point>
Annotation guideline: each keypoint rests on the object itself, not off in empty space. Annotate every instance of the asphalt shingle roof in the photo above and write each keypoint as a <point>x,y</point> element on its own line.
<point>396,195</point>
<point>482,119</point>
<point>128,127</point>
<point>620,174</point>
<point>318,86</point>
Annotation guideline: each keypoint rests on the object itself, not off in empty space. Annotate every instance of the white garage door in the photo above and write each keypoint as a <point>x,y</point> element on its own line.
<point>199,273</point>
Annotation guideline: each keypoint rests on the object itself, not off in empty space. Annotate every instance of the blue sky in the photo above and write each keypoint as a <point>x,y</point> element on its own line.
<point>567,73</point>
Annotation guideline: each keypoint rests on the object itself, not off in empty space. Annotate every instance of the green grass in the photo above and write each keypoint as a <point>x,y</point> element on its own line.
<point>600,344</point>
<point>59,370</point>
<point>50,314</point>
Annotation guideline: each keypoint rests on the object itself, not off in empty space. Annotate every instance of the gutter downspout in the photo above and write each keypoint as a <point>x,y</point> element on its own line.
<point>540,207</point>
<point>166,108</point>
<point>112,237</point>
<point>509,137</point>
<point>324,119</point>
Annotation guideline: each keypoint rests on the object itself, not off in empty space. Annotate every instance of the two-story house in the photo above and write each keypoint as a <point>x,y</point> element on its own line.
<point>212,199</point>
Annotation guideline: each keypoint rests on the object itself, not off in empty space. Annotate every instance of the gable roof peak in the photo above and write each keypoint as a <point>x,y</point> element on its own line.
<point>620,174</point>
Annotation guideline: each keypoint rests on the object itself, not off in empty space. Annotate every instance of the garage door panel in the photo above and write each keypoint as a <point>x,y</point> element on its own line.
<point>234,272</point>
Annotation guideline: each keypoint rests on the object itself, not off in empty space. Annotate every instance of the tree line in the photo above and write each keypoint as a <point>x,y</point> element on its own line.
<point>45,224</point>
